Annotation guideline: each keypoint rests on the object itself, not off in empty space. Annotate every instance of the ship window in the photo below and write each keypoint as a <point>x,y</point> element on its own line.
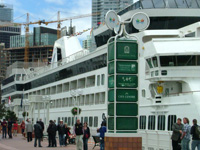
<point>168,61</point>
<point>155,61</point>
<point>69,121</point>
<point>102,79</point>
<point>143,93</point>
<point>90,121</point>
<point>98,80</point>
<point>59,54</point>
<point>151,122</point>
<point>161,122</point>
<point>149,63</point>
<point>86,119</point>
<point>65,120</point>
<point>142,122</point>
<point>171,121</point>
<point>187,60</point>
<point>58,119</point>
<point>95,121</point>
<point>72,121</point>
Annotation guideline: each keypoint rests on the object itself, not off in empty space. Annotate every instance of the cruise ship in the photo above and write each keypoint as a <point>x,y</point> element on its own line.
<point>169,72</point>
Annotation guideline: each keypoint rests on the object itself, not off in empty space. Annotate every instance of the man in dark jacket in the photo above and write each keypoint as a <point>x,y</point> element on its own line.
<point>61,132</point>
<point>177,131</point>
<point>4,126</point>
<point>52,134</point>
<point>78,131</point>
<point>42,125</point>
<point>10,128</point>
<point>195,135</point>
<point>38,134</point>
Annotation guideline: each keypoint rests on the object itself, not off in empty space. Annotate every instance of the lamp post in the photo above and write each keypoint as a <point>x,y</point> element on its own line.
<point>75,93</point>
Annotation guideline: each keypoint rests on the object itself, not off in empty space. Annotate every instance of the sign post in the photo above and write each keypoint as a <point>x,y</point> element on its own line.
<point>123,103</point>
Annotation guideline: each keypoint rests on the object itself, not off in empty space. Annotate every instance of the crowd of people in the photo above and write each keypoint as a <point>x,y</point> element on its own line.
<point>80,135</point>
<point>181,135</point>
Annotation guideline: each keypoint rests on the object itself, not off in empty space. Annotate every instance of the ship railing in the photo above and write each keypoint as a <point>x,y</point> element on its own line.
<point>54,65</point>
<point>159,4</point>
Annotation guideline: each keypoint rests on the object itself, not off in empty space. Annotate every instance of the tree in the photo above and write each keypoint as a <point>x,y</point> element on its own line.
<point>2,111</point>
<point>11,115</point>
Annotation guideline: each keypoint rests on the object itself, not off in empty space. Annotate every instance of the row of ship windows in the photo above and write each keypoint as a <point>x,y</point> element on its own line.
<point>92,121</point>
<point>150,124</point>
<point>89,99</point>
<point>76,84</point>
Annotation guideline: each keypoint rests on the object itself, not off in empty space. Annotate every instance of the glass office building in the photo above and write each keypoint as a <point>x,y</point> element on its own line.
<point>6,13</point>
<point>103,6</point>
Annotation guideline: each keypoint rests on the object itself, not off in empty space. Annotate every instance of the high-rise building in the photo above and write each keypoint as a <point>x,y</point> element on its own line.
<point>87,43</point>
<point>6,17</point>
<point>3,64</point>
<point>6,13</point>
<point>103,6</point>
<point>41,36</point>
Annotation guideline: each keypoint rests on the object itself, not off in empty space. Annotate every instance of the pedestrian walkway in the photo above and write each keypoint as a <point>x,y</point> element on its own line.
<point>20,143</point>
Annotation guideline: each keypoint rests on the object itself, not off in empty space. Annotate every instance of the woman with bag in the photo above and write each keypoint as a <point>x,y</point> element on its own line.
<point>86,136</point>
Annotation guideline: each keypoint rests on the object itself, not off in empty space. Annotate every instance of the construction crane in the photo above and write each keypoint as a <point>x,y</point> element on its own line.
<point>27,23</point>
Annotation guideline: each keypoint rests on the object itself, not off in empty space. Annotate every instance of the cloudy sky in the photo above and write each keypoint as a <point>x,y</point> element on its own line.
<point>47,9</point>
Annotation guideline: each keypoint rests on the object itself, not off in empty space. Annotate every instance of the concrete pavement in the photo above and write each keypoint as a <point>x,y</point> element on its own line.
<point>20,143</point>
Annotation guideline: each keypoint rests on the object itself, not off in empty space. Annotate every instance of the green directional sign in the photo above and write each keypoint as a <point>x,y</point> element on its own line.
<point>127,109</point>
<point>127,123</point>
<point>127,81</point>
<point>111,68</point>
<point>127,95</point>
<point>127,50</point>
<point>111,95</point>
<point>127,67</point>
<point>111,82</point>
<point>111,51</point>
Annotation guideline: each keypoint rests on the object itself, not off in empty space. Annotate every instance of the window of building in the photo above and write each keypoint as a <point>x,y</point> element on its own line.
<point>171,121</point>
<point>95,121</point>
<point>90,121</point>
<point>98,80</point>
<point>161,122</point>
<point>102,79</point>
<point>142,122</point>
<point>143,93</point>
<point>151,122</point>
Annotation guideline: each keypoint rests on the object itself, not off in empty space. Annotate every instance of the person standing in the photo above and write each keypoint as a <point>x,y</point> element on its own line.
<point>102,131</point>
<point>185,135</point>
<point>195,132</point>
<point>22,126</point>
<point>38,134</point>
<point>176,135</point>
<point>4,128</point>
<point>86,136</point>
<point>29,130</point>
<point>78,132</point>
<point>61,132</point>
<point>51,130</point>
<point>10,128</point>
<point>42,125</point>
<point>15,128</point>
<point>67,133</point>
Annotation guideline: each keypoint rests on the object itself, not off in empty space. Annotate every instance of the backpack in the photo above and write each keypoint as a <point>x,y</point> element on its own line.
<point>197,131</point>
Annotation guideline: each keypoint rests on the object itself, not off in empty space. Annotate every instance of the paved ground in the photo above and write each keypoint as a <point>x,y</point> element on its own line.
<point>20,143</point>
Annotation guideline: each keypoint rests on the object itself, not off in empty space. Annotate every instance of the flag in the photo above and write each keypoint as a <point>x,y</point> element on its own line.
<point>9,100</point>
<point>22,100</point>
